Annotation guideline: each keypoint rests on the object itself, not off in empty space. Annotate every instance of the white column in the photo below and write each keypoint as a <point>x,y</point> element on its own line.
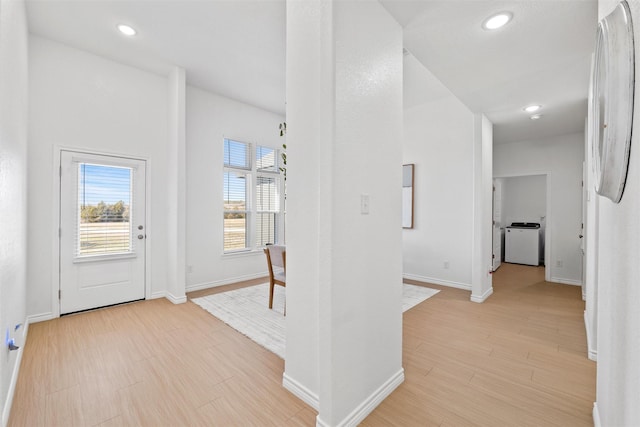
<point>481,279</point>
<point>177,187</point>
<point>344,265</point>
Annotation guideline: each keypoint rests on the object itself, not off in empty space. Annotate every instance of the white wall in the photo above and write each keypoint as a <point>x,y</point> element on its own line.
<point>211,118</point>
<point>13,190</point>
<point>524,199</point>
<point>439,139</point>
<point>618,376</point>
<point>80,100</point>
<point>344,115</point>
<point>560,158</point>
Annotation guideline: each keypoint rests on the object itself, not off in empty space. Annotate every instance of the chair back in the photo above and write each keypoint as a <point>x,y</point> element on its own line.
<point>277,255</point>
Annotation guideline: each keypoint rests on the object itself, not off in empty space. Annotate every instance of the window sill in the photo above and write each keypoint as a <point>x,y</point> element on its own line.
<point>242,254</point>
<point>109,257</point>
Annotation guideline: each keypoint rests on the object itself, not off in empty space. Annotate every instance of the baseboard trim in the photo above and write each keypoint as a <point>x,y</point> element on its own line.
<point>300,391</point>
<point>43,317</point>
<point>168,295</point>
<point>369,404</point>
<point>176,300</point>
<point>566,281</point>
<point>596,416</point>
<point>592,353</point>
<point>482,298</point>
<point>435,281</point>
<point>6,411</point>
<point>216,283</point>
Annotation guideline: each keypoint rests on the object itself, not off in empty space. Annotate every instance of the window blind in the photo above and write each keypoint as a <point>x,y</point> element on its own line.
<point>237,163</point>
<point>103,210</point>
<point>267,209</point>
<point>235,210</point>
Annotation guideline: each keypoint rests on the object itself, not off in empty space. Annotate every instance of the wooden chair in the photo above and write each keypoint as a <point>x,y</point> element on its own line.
<point>277,263</point>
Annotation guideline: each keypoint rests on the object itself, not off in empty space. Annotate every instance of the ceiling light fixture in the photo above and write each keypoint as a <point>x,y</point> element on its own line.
<point>127,30</point>
<point>497,21</point>
<point>532,108</point>
<point>535,116</point>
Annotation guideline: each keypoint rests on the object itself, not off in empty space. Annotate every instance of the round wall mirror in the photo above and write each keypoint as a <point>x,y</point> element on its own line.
<point>611,113</point>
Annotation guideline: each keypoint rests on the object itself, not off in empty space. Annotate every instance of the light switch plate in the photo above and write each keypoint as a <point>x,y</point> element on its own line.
<point>364,204</point>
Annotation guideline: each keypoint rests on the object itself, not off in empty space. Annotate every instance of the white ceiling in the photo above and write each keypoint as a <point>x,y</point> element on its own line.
<point>237,48</point>
<point>542,57</point>
<point>234,48</point>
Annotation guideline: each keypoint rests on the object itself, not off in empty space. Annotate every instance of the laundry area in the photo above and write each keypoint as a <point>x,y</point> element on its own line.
<point>519,220</point>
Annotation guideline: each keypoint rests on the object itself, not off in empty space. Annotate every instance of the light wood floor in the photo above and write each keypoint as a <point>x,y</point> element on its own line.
<point>518,359</point>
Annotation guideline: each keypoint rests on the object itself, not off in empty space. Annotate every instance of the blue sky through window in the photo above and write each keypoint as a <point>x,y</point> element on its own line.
<point>108,184</point>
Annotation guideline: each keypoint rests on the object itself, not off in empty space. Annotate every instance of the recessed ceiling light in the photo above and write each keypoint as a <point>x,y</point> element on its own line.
<point>126,30</point>
<point>535,116</point>
<point>497,21</point>
<point>532,108</point>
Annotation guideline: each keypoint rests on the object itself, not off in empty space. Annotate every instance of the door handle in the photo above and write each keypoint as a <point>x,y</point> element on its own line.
<point>580,236</point>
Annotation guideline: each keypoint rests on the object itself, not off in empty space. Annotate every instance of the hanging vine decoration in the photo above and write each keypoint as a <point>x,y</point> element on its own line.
<point>283,153</point>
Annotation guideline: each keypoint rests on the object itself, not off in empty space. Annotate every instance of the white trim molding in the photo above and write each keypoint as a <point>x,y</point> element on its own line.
<point>42,317</point>
<point>369,404</point>
<point>300,391</point>
<point>571,282</point>
<point>176,299</point>
<point>55,228</point>
<point>596,416</point>
<point>483,297</point>
<point>168,295</point>
<point>592,353</point>
<point>216,283</point>
<point>434,281</point>
<point>6,411</point>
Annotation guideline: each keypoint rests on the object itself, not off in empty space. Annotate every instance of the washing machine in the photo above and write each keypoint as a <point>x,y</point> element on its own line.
<point>522,243</point>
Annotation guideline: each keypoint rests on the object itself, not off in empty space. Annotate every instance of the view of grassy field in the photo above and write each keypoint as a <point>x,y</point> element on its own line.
<point>97,238</point>
<point>234,233</point>
<point>113,237</point>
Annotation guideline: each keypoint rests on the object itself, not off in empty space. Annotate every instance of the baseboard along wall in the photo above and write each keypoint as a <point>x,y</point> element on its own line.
<point>435,281</point>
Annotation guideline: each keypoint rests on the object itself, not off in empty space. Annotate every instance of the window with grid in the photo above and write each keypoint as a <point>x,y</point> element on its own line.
<point>252,196</point>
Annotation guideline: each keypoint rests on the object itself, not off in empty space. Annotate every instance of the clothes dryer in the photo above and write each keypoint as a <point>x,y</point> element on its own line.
<point>522,243</point>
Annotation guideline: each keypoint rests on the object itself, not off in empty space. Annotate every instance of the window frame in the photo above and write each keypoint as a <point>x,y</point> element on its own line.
<point>251,213</point>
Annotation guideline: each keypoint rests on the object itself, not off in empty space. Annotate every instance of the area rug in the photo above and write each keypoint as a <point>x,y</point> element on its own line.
<point>247,311</point>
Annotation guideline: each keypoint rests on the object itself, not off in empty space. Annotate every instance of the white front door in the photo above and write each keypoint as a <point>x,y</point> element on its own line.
<point>102,230</point>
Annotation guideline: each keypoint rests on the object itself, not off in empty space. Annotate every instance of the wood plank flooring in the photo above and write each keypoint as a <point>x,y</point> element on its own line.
<point>519,359</point>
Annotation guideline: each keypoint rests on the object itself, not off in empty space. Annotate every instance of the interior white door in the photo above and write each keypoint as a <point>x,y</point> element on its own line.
<point>102,230</point>
<point>497,247</point>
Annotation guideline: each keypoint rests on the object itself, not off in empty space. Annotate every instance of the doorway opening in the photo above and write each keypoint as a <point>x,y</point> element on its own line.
<point>521,206</point>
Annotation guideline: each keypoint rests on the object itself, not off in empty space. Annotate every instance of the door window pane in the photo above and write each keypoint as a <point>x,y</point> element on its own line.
<point>104,210</point>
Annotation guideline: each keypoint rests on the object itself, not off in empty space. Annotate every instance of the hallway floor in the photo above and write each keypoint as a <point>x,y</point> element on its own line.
<point>517,359</point>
